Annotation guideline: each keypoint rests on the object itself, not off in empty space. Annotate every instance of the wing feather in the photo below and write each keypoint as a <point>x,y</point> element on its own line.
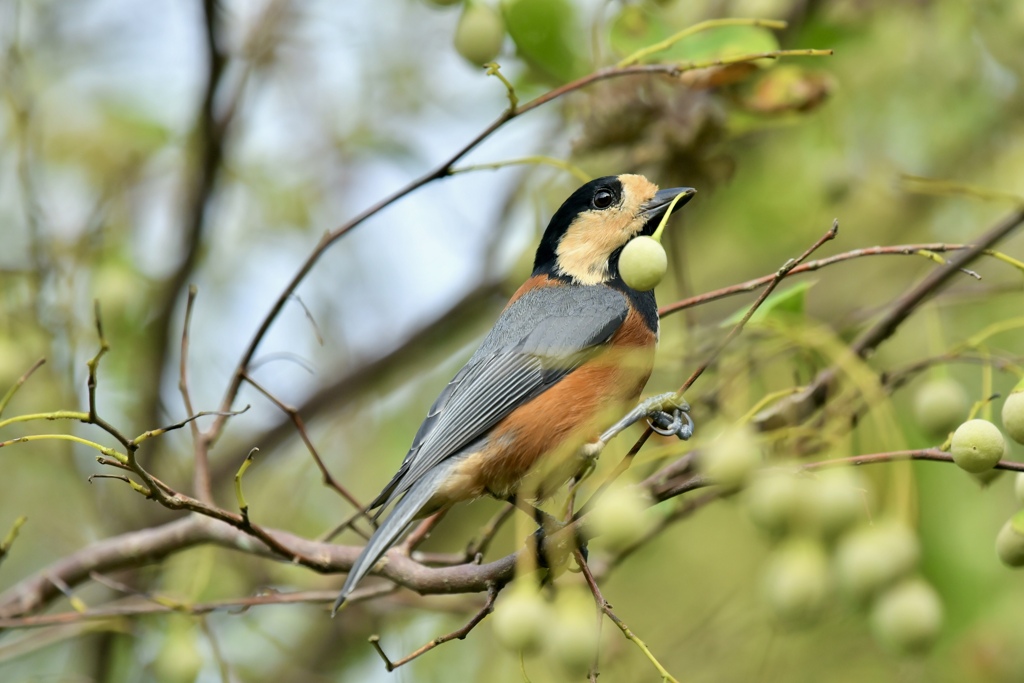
<point>539,339</point>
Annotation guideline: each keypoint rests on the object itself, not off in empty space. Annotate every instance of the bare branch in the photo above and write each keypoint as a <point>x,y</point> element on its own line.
<point>17,385</point>
<point>810,266</point>
<point>300,427</point>
<point>457,634</point>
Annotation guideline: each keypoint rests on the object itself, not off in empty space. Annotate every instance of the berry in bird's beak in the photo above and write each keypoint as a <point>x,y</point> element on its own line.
<point>643,262</point>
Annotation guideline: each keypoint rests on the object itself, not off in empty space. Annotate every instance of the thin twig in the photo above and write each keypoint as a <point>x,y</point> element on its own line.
<point>300,427</point>
<point>479,545</point>
<point>201,473</point>
<point>928,454</point>
<point>457,634</point>
<point>12,535</point>
<point>17,385</point>
<point>663,45</point>
<point>605,607</point>
<point>200,176</point>
<point>810,266</point>
<point>160,431</point>
<point>422,531</point>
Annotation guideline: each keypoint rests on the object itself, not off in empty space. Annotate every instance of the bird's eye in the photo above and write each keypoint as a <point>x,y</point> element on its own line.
<point>603,199</point>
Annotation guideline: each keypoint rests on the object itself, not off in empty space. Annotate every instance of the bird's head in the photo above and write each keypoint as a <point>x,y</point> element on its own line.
<point>590,229</point>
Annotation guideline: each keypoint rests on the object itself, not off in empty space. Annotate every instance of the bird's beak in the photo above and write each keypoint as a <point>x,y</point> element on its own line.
<point>659,203</point>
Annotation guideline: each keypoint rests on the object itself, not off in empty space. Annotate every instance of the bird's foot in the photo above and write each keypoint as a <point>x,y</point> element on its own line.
<point>668,414</point>
<point>673,422</point>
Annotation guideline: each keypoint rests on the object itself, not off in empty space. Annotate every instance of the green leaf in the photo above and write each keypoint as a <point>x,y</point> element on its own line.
<point>787,303</point>
<point>548,35</point>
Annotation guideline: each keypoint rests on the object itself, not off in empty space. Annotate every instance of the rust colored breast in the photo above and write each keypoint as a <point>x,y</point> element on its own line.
<point>539,442</point>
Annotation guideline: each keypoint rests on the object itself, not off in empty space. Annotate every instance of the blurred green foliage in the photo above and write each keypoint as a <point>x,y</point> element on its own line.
<point>338,107</point>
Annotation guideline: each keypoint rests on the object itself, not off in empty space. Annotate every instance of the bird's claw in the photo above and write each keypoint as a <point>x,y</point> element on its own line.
<point>675,423</point>
<point>669,415</point>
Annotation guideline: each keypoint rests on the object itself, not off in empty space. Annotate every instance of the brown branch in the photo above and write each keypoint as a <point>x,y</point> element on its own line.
<point>928,454</point>
<point>606,608</point>
<point>457,634</point>
<point>810,266</point>
<point>132,549</point>
<point>139,548</point>
<point>144,607</point>
<point>896,378</point>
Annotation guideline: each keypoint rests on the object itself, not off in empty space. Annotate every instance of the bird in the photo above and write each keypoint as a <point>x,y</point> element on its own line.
<point>571,351</point>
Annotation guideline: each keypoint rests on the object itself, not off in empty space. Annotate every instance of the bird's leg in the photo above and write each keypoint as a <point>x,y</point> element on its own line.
<point>668,414</point>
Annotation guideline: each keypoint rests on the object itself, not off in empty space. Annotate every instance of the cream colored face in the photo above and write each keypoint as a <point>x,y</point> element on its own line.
<point>585,249</point>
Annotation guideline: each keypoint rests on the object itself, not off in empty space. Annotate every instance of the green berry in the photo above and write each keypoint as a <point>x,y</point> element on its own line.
<point>977,445</point>
<point>872,557</point>
<point>1010,541</point>
<point>731,458</point>
<point>521,618</point>
<point>572,631</point>
<point>835,501</point>
<point>908,616</point>
<point>643,263</point>
<point>986,478</point>
<point>620,517</point>
<point>774,501</point>
<point>940,405</point>
<point>1013,415</point>
<point>479,33</point>
<point>796,581</point>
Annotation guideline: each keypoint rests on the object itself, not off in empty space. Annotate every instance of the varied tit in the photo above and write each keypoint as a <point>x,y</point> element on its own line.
<point>569,355</point>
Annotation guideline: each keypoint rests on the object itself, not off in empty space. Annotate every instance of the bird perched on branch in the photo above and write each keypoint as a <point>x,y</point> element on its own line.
<point>568,356</point>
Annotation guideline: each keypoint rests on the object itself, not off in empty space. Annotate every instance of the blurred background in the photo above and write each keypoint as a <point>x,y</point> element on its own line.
<point>135,162</point>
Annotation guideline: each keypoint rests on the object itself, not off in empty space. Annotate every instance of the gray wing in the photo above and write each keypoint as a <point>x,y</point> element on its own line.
<point>539,339</point>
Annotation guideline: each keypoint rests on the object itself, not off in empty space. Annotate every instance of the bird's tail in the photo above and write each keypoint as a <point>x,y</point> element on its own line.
<point>388,533</point>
